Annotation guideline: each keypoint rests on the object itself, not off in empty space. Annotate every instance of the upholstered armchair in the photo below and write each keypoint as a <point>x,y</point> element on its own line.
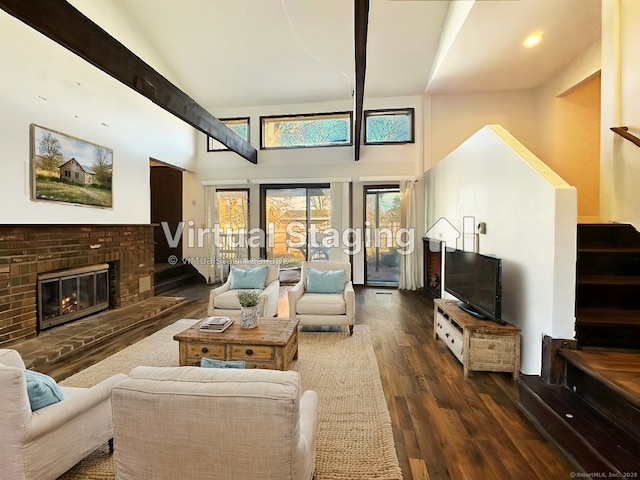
<point>45,443</point>
<point>203,423</point>
<point>324,295</point>
<point>261,276</point>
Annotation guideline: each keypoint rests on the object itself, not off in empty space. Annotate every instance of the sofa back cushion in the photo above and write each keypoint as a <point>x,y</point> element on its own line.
<point>242,423</point>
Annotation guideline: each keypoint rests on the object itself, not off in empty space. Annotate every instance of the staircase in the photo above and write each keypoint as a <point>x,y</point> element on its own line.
<point>608,286</point>
<point>593,415</point>
<point>167,277</point>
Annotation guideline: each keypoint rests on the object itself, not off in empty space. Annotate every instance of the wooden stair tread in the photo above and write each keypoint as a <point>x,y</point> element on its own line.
<point>612,444</point>
<point>618,370</point>
<point>607,316</point>
<point>609,279</point>
<point>606,249</point>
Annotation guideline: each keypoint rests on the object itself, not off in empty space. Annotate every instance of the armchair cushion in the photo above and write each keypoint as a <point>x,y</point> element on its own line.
<point>251,278</point>
<point>321,304</point>
<point>328,281</point>
<point>42,390</point>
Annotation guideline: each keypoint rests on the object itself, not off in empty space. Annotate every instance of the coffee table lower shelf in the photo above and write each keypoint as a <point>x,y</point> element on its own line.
<point>273,344</point>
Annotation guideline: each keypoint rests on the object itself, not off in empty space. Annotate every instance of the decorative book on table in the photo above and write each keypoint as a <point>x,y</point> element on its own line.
<point>215,324</point>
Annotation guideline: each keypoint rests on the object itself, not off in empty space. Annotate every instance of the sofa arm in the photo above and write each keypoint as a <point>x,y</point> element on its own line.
<point>306,449</point>
<point>50,418</point>
<point>11,358</point>
<point>350,300</point>
<point>225,287</point>
<point>293,296</point>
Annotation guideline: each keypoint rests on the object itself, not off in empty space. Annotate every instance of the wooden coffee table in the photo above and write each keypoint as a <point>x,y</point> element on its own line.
<point>273,344</point>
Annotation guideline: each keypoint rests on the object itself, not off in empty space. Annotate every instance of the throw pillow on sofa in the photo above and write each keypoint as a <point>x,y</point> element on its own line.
<point>212,363</point>
<point>42,390</point>
<point>251,278</point>
<point>329,281</point>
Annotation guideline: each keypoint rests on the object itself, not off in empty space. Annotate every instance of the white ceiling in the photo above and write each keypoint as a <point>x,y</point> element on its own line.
<point>233,53</point>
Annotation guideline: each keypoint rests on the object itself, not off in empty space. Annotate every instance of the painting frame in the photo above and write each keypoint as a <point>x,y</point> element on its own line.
<point>239,125</point>
<point>69,170</point>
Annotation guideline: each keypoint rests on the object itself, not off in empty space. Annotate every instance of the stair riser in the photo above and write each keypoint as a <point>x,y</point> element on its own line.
<point>569,441</point>
<point>590,236</point>
<point>608,263</point>
<point>608,336</point>
<point>608,401</point>
<point>621,297</point>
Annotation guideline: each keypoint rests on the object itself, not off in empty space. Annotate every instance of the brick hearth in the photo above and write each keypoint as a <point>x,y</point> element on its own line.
<point>28,250</point>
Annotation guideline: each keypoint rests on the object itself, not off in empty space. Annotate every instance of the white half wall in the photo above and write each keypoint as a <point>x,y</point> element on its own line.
<point>530,215</point>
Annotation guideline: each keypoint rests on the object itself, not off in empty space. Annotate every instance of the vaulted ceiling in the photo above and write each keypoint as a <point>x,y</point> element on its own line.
<point>232,53</point>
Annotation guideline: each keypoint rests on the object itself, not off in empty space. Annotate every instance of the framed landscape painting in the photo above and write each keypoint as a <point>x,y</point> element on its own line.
<point>67,169</point>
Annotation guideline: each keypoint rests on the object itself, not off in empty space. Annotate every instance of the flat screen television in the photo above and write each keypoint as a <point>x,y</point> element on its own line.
<point>475,280</point>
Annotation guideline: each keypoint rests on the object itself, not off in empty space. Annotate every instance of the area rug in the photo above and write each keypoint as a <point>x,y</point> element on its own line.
<point>354,435</point>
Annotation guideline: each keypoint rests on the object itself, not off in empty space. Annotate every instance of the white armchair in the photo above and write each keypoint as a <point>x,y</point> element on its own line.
<point>205,423</point>
<point>223,300</point>
<point>312,306</point>
<point>45,443</point>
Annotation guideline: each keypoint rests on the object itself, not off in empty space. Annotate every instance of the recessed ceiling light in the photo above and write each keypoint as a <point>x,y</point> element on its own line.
<point>532,40</point>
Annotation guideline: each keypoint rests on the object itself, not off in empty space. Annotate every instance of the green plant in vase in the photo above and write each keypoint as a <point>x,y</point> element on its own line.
<point>249,312</point>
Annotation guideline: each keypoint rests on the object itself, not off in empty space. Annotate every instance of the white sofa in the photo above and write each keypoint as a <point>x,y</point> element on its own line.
<point>213,423</point>
<point>45,443</point>
<point>223,299</point>
<point>323,308</point>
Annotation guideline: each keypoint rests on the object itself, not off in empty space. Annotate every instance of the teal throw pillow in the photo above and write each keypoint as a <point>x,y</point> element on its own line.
<point>211,363</point>
<point>251,278</point>
<point>329,281</point>
<point>41,389</point>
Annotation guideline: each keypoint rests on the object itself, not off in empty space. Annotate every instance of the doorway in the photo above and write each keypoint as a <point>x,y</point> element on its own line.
<point>382,221</point>
<point>166,206</point>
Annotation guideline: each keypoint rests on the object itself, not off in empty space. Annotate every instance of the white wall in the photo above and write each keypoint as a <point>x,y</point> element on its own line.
<point>530,215</point>
<point>45,84</point>
<point>451,119</point>
<point>620,159</point>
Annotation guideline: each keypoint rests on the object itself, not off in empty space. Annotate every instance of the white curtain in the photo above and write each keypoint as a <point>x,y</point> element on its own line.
<point>409,263</point>
<point>211,219</point>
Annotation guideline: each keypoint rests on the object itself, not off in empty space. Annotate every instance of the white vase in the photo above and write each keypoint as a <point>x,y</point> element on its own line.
<point>248,317</point>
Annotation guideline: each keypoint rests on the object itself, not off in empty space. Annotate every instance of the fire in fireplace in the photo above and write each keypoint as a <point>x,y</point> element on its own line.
<point>70,294</point>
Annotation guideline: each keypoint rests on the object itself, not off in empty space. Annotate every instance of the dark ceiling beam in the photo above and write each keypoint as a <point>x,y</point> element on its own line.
<point>361,25</point>
<point>66,25</point>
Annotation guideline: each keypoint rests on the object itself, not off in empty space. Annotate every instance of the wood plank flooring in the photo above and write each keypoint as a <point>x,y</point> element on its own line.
<point>445,427</point>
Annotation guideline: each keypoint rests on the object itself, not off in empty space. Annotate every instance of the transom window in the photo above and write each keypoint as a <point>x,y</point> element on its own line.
<point>312,130</point>
<point>240,127</point>
<point>390,126</point>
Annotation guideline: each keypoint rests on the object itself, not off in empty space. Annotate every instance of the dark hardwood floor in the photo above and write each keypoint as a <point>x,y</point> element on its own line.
<point>445,427</point>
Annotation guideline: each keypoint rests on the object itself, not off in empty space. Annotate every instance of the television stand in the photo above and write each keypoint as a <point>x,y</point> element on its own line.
<point>480,345</point>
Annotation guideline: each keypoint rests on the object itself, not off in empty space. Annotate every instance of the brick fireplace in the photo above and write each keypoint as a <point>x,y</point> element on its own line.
<point>28,252</point>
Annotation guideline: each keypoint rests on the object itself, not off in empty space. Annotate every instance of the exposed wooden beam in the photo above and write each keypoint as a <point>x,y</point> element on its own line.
<point>64,24</point>
<point>361,25</point>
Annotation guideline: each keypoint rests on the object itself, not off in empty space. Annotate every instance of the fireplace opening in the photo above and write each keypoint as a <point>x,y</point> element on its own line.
<point>432,267</point>
<point>67,295</point>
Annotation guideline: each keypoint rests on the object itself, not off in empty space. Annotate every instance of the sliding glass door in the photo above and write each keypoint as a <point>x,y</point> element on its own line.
<point>294,217</point>
<point>382,221</point>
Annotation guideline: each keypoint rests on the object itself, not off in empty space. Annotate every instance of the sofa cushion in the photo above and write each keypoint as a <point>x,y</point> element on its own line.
<point>42,390</point>
<point>229,300</point>
<point>328,281</point>
<point>321,304</point>
<point>213,363</point>
<point>251,278</point>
